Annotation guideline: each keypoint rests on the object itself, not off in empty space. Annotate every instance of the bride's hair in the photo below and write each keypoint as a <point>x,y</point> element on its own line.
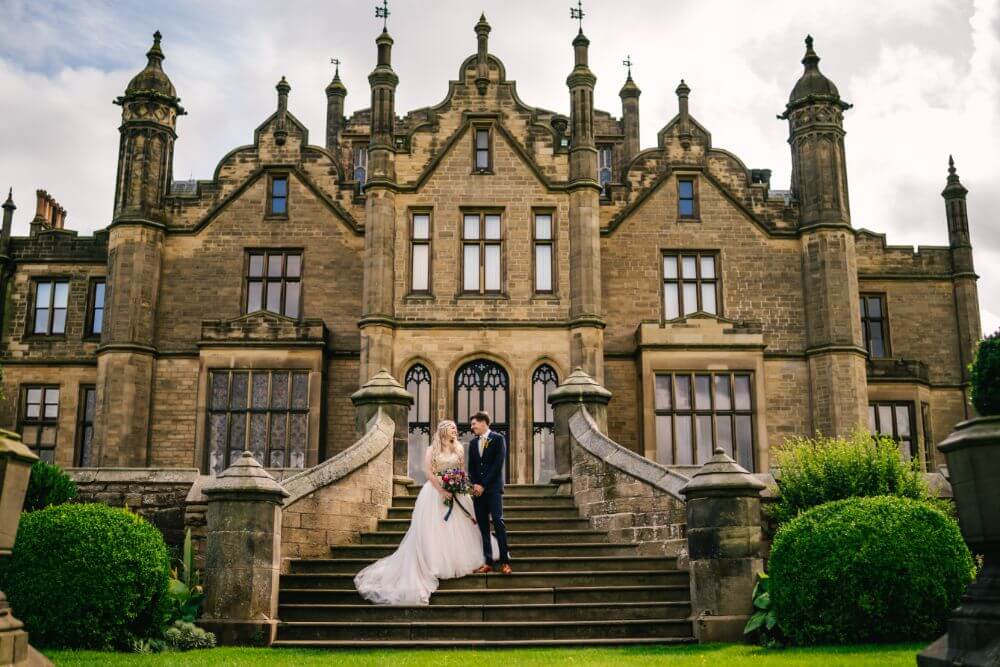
<point>440,440</point>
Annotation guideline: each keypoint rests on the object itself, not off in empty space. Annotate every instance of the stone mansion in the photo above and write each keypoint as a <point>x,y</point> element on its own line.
<point>480,250</point>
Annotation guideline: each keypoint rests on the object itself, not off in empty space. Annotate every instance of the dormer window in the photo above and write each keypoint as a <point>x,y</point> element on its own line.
<point>604,172</point>
<point>277,200</point>
<point>483,155</point>
<point>361,166</point>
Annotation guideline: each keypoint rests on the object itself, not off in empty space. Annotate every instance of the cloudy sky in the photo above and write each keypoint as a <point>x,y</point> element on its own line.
<point>924,76</point>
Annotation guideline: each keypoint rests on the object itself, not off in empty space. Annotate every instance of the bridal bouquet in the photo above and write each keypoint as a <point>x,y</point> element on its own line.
<point>455,482</point>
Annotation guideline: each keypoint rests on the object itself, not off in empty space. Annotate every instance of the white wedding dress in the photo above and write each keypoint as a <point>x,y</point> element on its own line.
<point>432,548</point>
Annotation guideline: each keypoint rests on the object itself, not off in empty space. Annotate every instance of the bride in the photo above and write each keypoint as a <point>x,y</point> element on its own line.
<point>432,548</point>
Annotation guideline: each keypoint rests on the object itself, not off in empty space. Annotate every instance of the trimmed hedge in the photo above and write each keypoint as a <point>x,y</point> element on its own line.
<point>862,570</point>
<point>819,470</point>
<point>87,576</point>
<point>48,485</point>
<point>985,392</point>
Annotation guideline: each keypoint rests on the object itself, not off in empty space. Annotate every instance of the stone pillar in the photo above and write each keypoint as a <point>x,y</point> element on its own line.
<point>243,554</point>
<point>383,392</point>
<point>724,545</point>
<point>973,637</point>
<point>577,390</point>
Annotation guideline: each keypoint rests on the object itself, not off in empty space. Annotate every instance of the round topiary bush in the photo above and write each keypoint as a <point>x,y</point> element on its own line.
<point>48,485</point>
<point>879,569</point>
<point>87,576</point>
<point>986,377</point>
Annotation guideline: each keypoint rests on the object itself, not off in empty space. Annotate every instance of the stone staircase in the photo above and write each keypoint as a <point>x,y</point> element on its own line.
<point>571,586</point>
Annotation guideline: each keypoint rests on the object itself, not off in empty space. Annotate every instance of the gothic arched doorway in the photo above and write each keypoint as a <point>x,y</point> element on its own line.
<point>543,382</point>
<point>418,383</point>
<point>482,384</point>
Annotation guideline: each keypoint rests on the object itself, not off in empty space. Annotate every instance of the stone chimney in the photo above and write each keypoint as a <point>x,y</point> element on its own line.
<point>49,214</point>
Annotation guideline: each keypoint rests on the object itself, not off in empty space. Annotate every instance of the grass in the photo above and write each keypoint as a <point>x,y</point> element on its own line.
<point>697,655</point>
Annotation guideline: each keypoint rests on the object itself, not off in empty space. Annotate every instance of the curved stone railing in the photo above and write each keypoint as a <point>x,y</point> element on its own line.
<point>333,502</point>
<point>632,498</point>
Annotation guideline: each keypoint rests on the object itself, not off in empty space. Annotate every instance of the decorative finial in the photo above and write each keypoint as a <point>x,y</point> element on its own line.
<point>10,199</point>
<point>810,59</point>
<point>682,89</point>
<point>951,165</point>
<point>628,63</point>
<point>383,13</point>
<point>809,41</point>
<point>577,13</point>
<point>283,86</point>
<point>336,63</point>
<point>155,53</point>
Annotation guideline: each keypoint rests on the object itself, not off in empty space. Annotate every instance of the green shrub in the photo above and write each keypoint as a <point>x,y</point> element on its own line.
<point>817,470</point>
<point>185,595</point>
<point>48,485</point>
<point>183,636</point>
<point>763,626</point>
<point>87,576</point>
<point>986,377</point>
<point>867,570</point>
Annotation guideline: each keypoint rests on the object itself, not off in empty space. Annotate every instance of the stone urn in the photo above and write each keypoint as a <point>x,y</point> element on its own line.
<point>973,454</point>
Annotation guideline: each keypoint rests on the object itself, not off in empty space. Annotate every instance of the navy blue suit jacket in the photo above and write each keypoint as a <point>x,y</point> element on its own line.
<point>487,470</point>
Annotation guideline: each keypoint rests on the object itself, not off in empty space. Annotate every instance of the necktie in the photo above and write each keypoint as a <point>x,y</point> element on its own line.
<point>482,444</point>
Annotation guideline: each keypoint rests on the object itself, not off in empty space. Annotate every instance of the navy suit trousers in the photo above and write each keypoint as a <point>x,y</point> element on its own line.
<point>490,506</point>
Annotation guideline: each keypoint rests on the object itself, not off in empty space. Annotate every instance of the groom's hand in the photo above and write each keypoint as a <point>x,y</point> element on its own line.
<point>477,490</point>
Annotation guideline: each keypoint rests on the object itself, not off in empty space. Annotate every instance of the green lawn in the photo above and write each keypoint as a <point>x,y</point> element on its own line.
<point>676,656</point>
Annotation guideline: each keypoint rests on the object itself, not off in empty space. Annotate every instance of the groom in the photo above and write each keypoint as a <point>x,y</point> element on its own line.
<point>487,453</point>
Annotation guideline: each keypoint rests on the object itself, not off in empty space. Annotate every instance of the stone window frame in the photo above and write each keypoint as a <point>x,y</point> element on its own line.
<point>84,452</point>
<point>679,281</point>
<point>269,211</point>
<point>608,169</point>
<point>359,161</point>
<point>32,315</point>
<point>92,307</point>
<point>695,199</point>
<point>551,243</point>
<point>481,242</point>
<point>875,425</point>
<point>264,279</point>
<point>419,381</point>
<point>487,128</point>
<point>427,242</point>
<point>882,320</point>
<point>925,419</point>
<point>544,380</point>
<point>713,411</point>
<point>42,421</point>
<point>248,410</point>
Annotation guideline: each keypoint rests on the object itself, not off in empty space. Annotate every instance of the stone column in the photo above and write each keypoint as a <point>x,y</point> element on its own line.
<point>382,391</point>
<point>243,554</point>
<point>578,390</point>
<point>724,545</point>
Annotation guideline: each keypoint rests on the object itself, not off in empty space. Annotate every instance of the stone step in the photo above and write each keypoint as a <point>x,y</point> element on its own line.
<point>463,613</point>
<point>517,524</point>
<point>514,537</point>
<point>567,563</point>
<point>509,513</point>
<point>508,501</point>
<point>508,490</point>
<point>478,644</point>
<point>515,580</point>
<point>431,631</point>
<point>499,596</point>
<point>376,551</point>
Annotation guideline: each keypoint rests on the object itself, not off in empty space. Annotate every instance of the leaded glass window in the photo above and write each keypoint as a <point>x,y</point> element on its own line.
<point>85,426</point>
<point>875,325</point>
<point>274,282</point>
<point>697,412</point>
<point>483,385</point>
<point>894,419</point>
<point>265,412</point>
<point>604,173</point>
<point>543,382</point>
<point>418,383</point>
<point>40,420</point>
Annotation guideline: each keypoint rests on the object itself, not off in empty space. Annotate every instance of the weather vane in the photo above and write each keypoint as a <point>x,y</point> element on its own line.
<point>336,63</point>
<point>577,13</point>
<point>383,13</point>
<point>628,63</point>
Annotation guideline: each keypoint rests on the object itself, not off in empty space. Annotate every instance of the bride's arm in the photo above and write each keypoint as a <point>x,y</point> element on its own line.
<point>431,477</point>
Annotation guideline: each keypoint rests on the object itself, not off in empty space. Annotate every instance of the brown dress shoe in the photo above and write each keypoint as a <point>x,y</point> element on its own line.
<point>482,569</point>
<point>505,569</point>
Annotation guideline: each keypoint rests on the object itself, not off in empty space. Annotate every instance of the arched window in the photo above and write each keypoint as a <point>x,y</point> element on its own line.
<point>483,385</point>
<point>418,383</point>
<point>543,382</point>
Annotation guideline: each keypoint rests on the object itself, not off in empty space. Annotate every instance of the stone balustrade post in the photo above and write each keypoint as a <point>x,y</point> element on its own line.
<point>724,546</point>
<point>578,390</point>
<point>383,392</point>
<point>243,554</point>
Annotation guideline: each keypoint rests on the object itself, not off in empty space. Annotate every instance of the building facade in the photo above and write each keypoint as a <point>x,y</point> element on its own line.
<point>480,250</point>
